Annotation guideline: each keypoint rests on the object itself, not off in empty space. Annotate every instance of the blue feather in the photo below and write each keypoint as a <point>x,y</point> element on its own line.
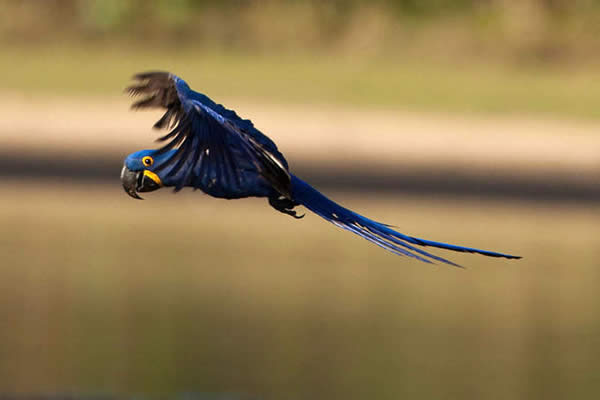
<point>213,149</point>
<point>375,232</point>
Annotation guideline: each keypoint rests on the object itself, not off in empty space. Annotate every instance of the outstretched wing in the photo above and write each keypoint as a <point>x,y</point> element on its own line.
<point>213,145</point>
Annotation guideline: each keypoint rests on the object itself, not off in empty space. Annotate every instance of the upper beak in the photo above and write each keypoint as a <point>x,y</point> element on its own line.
<point>139,181</point>
<point>130,182</point>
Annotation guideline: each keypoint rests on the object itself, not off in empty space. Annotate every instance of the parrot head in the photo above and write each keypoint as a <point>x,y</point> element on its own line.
<point>141,173</point>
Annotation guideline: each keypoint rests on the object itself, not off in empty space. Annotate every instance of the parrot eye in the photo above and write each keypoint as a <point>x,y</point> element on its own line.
<point>148,161</point>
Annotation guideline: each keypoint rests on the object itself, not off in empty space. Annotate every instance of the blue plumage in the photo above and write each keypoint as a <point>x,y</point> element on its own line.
<point>376,232</point>
<point>211,148</point>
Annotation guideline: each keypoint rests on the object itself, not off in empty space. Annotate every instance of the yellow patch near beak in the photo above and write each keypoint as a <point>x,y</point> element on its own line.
<point>153,176</point>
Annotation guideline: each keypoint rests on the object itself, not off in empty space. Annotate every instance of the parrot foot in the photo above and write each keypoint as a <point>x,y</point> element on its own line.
<point>285,205</point>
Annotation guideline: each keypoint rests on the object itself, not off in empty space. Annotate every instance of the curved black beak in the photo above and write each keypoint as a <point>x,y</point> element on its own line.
<point>138,181</point>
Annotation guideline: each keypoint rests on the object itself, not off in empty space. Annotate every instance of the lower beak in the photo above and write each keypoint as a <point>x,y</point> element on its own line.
<point>139,181</point>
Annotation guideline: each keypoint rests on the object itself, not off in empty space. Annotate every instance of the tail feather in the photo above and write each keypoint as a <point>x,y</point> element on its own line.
<point>380,234</point>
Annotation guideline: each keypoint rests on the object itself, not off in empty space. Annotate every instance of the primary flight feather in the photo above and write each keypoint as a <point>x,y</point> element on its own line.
<point>209,147</point>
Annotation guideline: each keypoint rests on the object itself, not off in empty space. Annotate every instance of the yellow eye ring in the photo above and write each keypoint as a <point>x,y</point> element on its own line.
<point>148,161</point>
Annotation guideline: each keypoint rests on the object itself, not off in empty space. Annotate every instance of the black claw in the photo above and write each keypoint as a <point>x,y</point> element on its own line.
<point>292,213</point>
<point>285,206</point>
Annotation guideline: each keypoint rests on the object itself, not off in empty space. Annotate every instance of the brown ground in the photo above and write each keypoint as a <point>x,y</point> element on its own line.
<point>328,135</point>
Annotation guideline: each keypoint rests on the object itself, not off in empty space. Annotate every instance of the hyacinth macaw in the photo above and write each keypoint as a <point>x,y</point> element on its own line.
<point>209,147</point>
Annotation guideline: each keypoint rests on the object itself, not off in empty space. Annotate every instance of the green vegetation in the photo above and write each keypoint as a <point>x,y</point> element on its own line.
<point>102,294</point>
<point>517,30</point>
<point>530,56</point>
<point>307,78</point>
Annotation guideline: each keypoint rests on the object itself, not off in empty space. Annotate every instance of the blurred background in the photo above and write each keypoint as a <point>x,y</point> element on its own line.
<point>473,122</point>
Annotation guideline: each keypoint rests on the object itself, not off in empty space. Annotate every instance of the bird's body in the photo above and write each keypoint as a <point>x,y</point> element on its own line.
<point>212,149</point>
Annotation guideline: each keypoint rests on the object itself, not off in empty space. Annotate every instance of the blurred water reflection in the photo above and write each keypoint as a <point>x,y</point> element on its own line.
<point>158,297</point>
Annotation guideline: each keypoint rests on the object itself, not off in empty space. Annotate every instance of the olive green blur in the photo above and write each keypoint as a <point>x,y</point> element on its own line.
<point>192,294</point>
<point>520,30</point>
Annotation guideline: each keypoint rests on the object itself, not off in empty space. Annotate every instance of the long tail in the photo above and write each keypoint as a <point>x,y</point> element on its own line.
<point>378,233</point>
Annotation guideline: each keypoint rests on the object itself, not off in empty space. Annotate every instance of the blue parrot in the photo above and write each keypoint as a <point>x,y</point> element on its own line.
<point>209,147</point>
